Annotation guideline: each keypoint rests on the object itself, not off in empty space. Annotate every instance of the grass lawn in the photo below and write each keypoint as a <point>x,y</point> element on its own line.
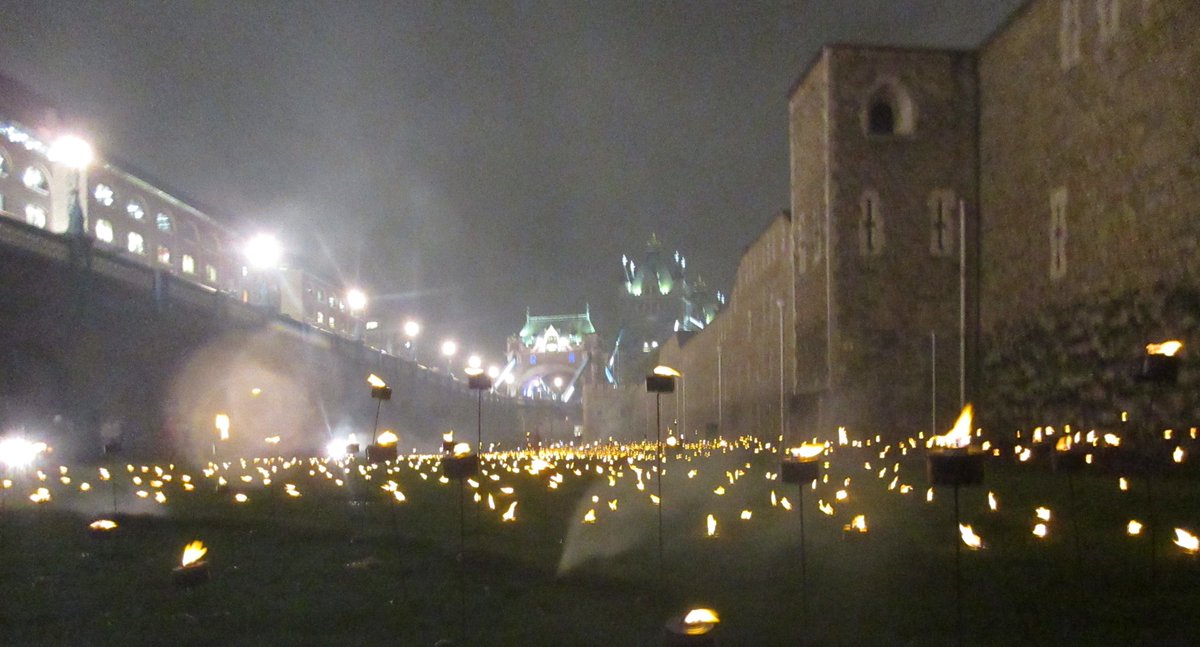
<point>320,569</point>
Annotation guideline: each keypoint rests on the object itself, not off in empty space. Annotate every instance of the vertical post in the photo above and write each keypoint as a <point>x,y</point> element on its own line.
<point>658,456</point>
<point>782,422</point>
<point>462,564</point>
<point>933,428</point>
<point>958,571</point>
<point>803,560</point>
<point>720,395</point>
<point>962,303</point>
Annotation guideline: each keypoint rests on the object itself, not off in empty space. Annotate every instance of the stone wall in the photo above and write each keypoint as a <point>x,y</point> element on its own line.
<point>1106,114</point>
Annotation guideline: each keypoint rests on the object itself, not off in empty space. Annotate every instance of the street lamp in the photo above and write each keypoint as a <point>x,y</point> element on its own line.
<point>411,330</point>
<point>263,252</point>
<point>76,154</point>
<point>661,381</point>
<point>356,299</point>
<point>449,349</point>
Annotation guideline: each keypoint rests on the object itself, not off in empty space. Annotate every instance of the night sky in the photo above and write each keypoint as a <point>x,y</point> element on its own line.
<point>462,161</point>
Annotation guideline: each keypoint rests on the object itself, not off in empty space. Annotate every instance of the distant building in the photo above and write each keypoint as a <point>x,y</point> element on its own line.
<point>553,357</point>
<point>657,298</point>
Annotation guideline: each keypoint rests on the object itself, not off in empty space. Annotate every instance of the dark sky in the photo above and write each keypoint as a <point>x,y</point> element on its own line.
<point>463,160</point>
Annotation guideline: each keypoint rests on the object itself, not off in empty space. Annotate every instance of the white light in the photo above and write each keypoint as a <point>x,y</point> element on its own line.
<point>18,452</point>
<point>412,328</point>
<point>558,382</point>
<point>356,299</point>
<point>474,361</point>
<point>493,372</point>
<point>71,151</point>
<point>449,348</point>
<point>263,252</point>
<point>336,449</point>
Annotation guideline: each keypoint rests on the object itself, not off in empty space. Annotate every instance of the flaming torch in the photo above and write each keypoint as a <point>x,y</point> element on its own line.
<point>801,466</point>
<point>693,629</point>
<point>951,459</point>
<point>193,570</point>
<point>1160,364</point>
<point>384,448</point>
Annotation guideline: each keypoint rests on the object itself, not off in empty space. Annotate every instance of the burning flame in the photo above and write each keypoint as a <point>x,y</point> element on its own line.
<point>666,371</point>
<point>993,504</point>
<point>1063,444</point>
<point>1133,528</point>
<point>1168,348</point>
<point>376,381</point>
<point>387,439</point>
<point>221,422</point>
<point>462,450</point>
<point>590,517</point>
<point>807,451</point>
<point>959,436</point>
<point>859,523</point>
<point>972,540</point>
<point>1042,513</point>
<point>1187,541</point>
<point>448,437</point>
<point>103,524</point>
<point>193,552</point>
<point>511,513</point>
<point>1039,531</point>
<point>700,621</point>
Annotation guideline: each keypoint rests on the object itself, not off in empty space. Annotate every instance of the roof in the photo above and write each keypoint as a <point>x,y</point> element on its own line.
<point>568,324</point>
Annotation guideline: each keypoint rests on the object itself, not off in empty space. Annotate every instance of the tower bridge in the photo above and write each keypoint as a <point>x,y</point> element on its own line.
<point>99,347</point>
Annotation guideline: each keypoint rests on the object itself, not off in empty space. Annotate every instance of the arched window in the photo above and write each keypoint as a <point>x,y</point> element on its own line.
<point>881,117</point>
<point>35,179</point>
<point>136,209</point>
<point>104,195</point>
<point>870,224</point>
<point>889,110</point>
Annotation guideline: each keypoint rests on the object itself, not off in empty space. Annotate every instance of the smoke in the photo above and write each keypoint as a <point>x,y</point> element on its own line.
<point>688,501</point>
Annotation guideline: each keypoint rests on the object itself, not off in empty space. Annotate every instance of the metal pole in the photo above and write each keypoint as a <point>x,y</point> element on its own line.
<point>720,396</point>
<point>462,565</point>
<point>958,571</point>
<point>659,457</point>
<point>962,303</point>
<point>933,382</point>
<point>782,424</point>
<point>803,561</point>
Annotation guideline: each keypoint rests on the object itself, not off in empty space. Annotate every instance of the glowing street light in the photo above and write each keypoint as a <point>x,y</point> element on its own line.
<point>411,329</point>
<point>356,299</point>
<point>493,372</point>
<point>449,350</point>
<point>475,363</point>
<point>76,154</point>
<point>263,252</point>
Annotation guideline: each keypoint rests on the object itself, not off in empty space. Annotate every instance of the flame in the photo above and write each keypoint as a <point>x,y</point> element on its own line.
<point>221,422</point>
<point>1187,541</point>
<point>448,437</point>
<point>859,523</point>
<point>666,371</point>
<point>972,540</point>
<point>746,514</point>
<point>1039,531</point>
<point>462,450</point>
<point>1122,484</point>
<point>193,552</point>
<point>511,513</point>
<point>376,381</point>
<point>698,622</point>
<point>103,524</point>
<point>1133,528</point>
<point>272,440</point>
<point>387,439</point>
<point>711,526</point>
<point>993,504</point>
<point>1063,444</point>
<point>807,451</point>
<point>590,517</point>
<point>960,435</point>
<point>1177,455</point>
<point>1168,348</point>
<point>1042,513</point>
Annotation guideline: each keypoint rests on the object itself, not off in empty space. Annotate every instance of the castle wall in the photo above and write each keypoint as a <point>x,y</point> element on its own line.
<point>1089,106</point>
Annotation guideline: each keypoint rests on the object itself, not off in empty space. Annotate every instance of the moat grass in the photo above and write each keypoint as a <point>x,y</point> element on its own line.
<point>324,570</point>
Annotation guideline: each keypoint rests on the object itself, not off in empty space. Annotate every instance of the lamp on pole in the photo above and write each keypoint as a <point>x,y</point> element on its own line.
<point>76,154</point>
<point>356,299</point>
<point>661,381</point>
<point>411,330</point>
<point>449,350</point>
<point>263,253</point>
<point>782,421</point>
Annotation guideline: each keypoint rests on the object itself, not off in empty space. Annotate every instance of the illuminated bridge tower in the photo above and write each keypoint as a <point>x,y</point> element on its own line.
<point>657,299</point>
<point>553,357</point>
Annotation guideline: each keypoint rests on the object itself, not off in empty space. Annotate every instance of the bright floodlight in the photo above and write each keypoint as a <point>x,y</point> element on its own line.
<point>18,452</point>
<point>336,449</point>
<point>412,328</point>
<point>356,299</point>
<point>474,361</point>
<point>263,251</point>
<point>449,348</point>
<point>71,151</point>
<point>493,372</point>
<point>558,382</point>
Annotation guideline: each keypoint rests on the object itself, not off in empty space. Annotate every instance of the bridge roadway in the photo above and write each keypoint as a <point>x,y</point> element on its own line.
<point>98,346</point>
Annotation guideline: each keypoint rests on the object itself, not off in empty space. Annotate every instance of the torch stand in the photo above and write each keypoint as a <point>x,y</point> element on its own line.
<point>956,467</point>
<point>801,472</point>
